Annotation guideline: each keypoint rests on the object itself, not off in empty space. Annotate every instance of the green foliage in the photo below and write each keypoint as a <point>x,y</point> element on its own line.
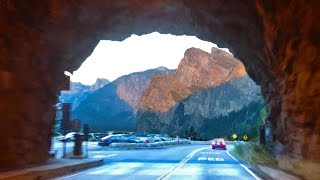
<point>262,117</point>
<point>191,133</point>
<point>241,122</point>
<point>254,153</point>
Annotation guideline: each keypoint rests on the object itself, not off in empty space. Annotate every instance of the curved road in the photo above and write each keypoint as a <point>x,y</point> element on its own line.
<point>180,162</point>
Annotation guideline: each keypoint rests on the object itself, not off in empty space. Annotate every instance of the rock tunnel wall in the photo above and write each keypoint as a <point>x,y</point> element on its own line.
<point>277,41</point>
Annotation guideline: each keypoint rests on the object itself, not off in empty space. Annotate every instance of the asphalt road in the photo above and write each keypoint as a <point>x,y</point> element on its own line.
<point>179,162</point>
<point>57,145</point>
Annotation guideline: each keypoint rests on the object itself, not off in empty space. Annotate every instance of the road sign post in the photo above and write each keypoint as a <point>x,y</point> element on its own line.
<point>65,124</point>
<point>64,149</point>
<point>77,150</point>
<point>76,125</point>
<point>262,135</point>
<point>86,137</point>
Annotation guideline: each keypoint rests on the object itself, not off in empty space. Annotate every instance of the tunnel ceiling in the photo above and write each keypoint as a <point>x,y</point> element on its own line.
<point>277,41</point>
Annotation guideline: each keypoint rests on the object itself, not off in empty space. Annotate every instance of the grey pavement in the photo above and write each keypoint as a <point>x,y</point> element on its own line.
<point>179,162</point>
<point>51,169</point>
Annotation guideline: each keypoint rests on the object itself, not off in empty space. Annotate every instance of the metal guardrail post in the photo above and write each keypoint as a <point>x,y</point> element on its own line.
<point>262,135</point>
<point>77,151</point>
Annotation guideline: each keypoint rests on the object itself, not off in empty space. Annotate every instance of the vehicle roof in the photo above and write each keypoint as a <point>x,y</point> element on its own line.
<point>112,135</point>
<point>218,139</point>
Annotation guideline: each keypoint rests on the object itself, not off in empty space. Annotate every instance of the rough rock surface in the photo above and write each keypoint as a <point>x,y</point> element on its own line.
<point>220,111</point>
<point>100,82</point>
<point>114,106</point>
<point>204,87</point>
<point>278,42</point>
<point>197,70</point>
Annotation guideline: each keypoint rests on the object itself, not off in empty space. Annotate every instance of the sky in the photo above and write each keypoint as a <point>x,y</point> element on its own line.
<point>113,59</point>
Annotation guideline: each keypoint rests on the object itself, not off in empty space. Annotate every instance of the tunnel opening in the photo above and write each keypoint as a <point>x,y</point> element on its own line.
<point>205,93</point>
<point>277,42</point>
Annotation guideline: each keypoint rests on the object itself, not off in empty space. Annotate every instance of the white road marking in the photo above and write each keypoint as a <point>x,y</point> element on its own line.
<point>202,158</point>
<point>181,163</point>
<point>88,171</point>
<point>103,156</point>
<point>207,152</point>
<point>244,167</point>
<point>219,159</point>
<point>215,159</point>
<point>80,173</point>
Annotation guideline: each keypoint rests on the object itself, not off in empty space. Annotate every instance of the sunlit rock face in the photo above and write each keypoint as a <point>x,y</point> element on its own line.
<point>278,42</point>
<point>197,70</point>
<point>114,106</point>
<point>204,88</point>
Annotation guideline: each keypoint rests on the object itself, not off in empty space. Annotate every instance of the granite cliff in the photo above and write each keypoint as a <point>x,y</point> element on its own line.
<point>114,106</point>
<point>79,92</point>
<point>197,70</point>
<point>206,87</point>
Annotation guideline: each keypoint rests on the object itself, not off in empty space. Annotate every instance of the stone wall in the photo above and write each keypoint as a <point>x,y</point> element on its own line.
<point>278,41</point>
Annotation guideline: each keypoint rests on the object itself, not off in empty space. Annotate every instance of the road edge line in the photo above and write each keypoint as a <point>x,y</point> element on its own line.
<point>79,173</point>
<point>245,167</point>
<point>83,172</point>
<point>181,163</point>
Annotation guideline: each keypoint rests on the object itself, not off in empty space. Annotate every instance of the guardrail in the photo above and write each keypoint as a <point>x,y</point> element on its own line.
<point>156,144</point>
<point>207,142</point>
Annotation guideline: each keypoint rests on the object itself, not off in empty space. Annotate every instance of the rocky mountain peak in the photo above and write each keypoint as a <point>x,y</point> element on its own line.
<point>162,68</point>
<point>76,87</point>
<point>100,82</point>
<point>197,70</point>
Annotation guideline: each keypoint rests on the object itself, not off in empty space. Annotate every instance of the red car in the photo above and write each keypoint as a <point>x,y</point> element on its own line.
<point>219,143</point>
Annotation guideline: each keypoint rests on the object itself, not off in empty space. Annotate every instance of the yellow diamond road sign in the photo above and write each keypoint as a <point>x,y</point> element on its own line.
<point>234,136</point>
<point>245,137</point>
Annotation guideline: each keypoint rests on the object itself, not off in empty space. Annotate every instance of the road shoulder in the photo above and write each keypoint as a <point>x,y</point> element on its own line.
<point>58,168</point>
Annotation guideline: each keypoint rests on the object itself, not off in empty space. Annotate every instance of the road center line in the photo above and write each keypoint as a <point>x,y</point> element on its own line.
<point>244,167</point>
<point>181,163</point>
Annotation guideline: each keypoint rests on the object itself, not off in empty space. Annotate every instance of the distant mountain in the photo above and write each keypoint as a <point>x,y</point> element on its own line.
<point>100,82</point>
<point>113,107</point>
<point>209,93</point>
<point>202,93</point>
<point>77,87</point>
<point>78,92</point>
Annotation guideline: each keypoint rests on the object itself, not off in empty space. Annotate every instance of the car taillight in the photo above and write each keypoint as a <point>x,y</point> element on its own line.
<point>223,142</point>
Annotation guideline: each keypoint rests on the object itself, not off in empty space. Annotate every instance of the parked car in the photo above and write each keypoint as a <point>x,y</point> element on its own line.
<point>163,137</point>
<point>219,143</point>
<point>135,139</point>
<point>70,136</point>
<point>58,136</point>
<point>96,136</point>
<point>107,140</point>
<point>148,138</point>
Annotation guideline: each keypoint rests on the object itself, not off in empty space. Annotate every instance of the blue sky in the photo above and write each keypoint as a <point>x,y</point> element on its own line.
<point>112,59</point>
